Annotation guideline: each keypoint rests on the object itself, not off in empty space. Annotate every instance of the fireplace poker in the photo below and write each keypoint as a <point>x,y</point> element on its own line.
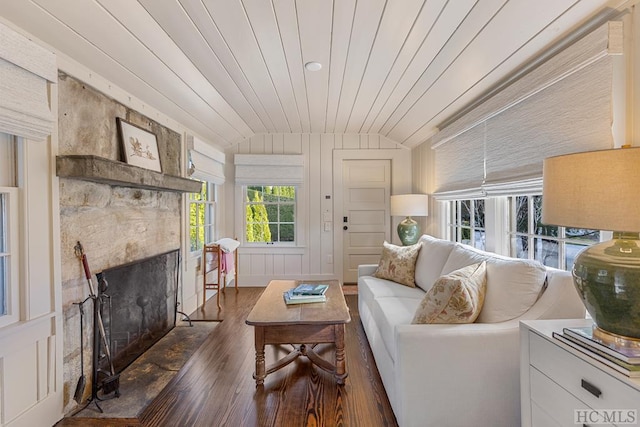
<point>111,382</point>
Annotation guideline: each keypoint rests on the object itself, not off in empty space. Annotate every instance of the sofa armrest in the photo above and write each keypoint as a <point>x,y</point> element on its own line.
<point>477,364</point>
<point>367,269</point>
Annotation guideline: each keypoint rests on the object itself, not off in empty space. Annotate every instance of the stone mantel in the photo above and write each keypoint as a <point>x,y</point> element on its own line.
<point>112,172</point>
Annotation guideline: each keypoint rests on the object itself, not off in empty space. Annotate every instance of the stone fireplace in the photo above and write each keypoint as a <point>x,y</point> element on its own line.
<point>121,220</point>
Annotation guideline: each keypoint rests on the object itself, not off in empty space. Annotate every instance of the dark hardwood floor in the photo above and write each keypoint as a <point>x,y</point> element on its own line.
<point>216,388</point>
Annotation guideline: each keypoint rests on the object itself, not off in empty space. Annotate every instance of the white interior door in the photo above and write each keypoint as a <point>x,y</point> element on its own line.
<point>366,186</point>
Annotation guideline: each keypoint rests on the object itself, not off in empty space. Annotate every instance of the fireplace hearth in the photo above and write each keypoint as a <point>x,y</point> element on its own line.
<point>140,305</point>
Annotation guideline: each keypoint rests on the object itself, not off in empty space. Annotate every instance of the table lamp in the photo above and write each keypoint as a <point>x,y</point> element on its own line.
<point>601,190</point>
<point>409,205</point>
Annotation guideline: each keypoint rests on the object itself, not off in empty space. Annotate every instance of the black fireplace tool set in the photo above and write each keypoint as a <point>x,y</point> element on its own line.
<point>106,382</point>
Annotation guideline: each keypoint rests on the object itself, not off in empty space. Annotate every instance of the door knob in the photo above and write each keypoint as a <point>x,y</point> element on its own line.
<point>345,228</point>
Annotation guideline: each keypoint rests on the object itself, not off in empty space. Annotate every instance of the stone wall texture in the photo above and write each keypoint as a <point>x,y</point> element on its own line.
<point>115,225</point>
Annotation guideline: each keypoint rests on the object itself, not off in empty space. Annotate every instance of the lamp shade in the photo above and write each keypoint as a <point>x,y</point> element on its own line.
<point>410,205</point>
<point>594,189</point>
<point>599,190</point>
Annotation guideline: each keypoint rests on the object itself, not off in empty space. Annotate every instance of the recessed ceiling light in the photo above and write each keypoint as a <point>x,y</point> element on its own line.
<point>313,66</point>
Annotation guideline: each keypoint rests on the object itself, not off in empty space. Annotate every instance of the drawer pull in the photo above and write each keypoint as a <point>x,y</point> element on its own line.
<point>591,388</point>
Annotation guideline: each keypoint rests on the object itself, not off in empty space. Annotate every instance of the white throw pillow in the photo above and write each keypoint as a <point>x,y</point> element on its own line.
<point>513,285</point>
<point>431,259</point>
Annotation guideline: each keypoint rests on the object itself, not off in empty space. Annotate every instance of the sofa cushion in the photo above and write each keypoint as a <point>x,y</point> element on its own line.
<point>513,285</point>
<point>431,258</point>
<point>390,312</point>
<point>398,263</point>
<point>454,298</point>
<point>370,287</point>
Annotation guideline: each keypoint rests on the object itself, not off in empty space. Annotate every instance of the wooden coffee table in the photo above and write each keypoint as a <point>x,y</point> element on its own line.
<point>301,325</point>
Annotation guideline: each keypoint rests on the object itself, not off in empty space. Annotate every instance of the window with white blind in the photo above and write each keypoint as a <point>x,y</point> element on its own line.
<point>562,106</point>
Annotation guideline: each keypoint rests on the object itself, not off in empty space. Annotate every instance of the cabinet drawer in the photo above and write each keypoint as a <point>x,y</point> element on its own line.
<point>552,401</point>
<point>540,418</point>
<point>577,377</point>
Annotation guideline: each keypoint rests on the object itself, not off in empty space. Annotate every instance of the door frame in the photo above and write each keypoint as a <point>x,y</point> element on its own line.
<point>400,184</point>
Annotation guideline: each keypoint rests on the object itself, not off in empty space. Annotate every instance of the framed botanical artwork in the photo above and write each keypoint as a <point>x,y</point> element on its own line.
<point>139,146</point>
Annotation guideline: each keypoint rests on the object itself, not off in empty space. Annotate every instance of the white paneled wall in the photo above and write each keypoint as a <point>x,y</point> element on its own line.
<point>313,257</point>
<point>423,182</point>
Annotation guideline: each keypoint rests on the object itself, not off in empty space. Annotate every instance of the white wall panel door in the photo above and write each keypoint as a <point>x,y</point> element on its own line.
<point>366,221</point>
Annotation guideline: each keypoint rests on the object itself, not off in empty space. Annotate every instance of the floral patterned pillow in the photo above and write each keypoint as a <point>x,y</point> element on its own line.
<point>454,298</point>
<point>398,264</point>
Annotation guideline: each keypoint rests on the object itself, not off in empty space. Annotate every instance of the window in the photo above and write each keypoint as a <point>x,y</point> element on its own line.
<point>9,292</point>
<point>270,214</point>
<point>202,216</point>
<point>467,222</point>
<point>553,246</point>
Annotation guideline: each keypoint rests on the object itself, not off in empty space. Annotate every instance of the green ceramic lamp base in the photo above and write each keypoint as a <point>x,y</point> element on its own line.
<point>607,277</point>
<point>408,231</point>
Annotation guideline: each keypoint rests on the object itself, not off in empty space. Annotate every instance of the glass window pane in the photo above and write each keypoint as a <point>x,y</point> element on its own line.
<point>521,214</point>
<point>465,235</point>
<point>271,212</point>
<point>520,247</point>
<point>479,213</point>
<point>540,228</point>
<point>286,213</point>
<point>465,211</point>
<point>479,241</point>
<point>571,252</point>
<point>583,235</point>
<point>287,233</point>
<point>273,233</point>
<point>546,251</point>
<point>454,213</point>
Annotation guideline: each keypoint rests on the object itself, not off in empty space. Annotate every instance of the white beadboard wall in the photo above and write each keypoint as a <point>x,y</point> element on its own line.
<point>423,182</point>
<point>311,259</point>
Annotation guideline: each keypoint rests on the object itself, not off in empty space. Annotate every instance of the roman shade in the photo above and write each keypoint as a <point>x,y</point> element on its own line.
<point>207,162</point>
<point>562,106</point>
<point>25,70</point>
<point>270,169</point>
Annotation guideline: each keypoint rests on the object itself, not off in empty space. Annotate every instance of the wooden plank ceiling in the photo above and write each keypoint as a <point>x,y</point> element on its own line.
<point>228,69</point>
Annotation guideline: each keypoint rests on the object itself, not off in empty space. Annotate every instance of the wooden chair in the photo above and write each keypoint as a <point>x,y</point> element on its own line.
<point>212,260</point>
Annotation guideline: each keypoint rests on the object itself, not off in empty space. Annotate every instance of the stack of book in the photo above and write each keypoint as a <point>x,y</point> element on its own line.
<point>306,293</point>
<point>622,358</point>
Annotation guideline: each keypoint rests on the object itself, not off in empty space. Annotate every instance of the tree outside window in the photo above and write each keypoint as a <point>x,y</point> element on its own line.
<point>553,246</point>
<point>270,213</point>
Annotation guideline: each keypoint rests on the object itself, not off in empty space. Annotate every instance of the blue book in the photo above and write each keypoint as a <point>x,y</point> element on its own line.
<point>309,289</point>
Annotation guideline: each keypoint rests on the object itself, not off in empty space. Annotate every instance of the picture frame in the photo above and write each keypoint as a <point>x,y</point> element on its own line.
<point>139,146</point>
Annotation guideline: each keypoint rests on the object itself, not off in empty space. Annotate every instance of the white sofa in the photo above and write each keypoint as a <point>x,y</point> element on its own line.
<point>459,374</point>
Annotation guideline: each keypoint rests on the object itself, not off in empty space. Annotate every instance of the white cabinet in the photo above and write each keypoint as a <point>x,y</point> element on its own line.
<point>561,386</point>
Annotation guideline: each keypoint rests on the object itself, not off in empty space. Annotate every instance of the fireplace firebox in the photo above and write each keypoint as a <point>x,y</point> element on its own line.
<point>139,305</point>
